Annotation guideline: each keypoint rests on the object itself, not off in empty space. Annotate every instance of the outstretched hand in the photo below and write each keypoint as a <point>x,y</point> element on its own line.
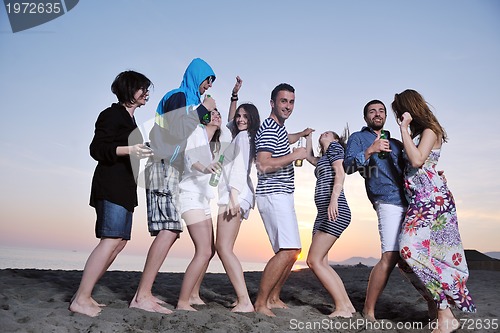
<point>307,132</point>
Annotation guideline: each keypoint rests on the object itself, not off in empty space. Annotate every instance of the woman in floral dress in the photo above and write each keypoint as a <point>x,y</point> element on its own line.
<point>430,241</point>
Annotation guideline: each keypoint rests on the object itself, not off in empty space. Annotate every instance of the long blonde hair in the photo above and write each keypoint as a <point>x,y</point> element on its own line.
<point>422,117</point>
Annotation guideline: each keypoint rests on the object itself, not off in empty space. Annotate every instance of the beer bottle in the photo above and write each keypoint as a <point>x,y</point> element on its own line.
<point>214,180</point>
<point>298,163</point>
<point>383,154</point>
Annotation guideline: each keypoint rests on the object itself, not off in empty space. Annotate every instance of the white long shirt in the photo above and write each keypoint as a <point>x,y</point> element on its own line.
<point>236,171</point>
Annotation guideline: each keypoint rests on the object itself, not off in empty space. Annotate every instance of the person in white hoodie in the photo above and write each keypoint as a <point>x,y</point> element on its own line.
<point>236,192</point>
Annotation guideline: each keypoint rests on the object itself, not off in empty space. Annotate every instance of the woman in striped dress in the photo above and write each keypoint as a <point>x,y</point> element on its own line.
<point>333,216</point>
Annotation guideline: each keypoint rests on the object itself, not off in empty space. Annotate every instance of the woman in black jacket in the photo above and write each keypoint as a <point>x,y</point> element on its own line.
<point>117,146</point>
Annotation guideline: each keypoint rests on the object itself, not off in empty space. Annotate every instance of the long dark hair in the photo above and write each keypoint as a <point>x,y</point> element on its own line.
<point>253,124</point>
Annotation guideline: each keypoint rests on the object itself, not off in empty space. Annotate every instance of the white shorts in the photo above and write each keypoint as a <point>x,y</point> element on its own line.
<point>278,214</point>
<point>390,220</point>
<point>191,200</point>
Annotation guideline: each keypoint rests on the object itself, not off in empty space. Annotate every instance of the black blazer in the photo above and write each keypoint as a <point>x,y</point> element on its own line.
<point>114,178</point>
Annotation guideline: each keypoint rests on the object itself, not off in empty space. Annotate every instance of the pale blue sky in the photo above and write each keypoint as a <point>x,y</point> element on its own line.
<point>56,78</point>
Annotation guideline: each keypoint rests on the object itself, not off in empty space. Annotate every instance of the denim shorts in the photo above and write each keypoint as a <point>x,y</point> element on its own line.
<point>113,221</point>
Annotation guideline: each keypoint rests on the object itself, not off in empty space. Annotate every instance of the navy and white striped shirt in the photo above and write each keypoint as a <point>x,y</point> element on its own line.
<point>273,138</point>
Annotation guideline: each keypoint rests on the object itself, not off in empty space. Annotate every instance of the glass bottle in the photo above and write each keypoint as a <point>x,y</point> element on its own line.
<point>214,180</point>
<point>383,154</point>
<point>298,163</point>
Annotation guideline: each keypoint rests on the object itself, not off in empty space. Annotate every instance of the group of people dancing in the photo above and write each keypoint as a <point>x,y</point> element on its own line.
<point>416,211</point>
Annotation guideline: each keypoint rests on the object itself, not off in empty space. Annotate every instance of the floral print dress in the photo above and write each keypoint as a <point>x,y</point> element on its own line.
<point>430,241</point>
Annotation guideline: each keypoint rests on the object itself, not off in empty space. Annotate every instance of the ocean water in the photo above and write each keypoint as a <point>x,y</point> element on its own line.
<point>13,257</point>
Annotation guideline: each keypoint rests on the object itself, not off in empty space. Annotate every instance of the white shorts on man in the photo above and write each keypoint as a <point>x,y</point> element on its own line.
<point>278,214</point>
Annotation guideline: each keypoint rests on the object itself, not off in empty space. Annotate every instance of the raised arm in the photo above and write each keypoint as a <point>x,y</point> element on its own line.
<point>417,154</point>
<point>294,137</point>
<point>234,99</point>
<point>310,155</point>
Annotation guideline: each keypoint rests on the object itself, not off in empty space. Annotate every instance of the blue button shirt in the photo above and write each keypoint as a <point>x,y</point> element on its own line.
<point>383,177</point>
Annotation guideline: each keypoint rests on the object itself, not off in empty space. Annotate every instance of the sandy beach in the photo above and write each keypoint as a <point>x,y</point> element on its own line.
<point>37,301</point>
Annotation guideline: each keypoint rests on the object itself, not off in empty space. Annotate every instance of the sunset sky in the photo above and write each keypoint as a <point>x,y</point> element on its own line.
<point>55,79</point>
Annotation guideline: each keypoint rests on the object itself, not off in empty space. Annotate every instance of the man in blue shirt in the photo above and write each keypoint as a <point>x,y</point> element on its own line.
<point>380,162</point>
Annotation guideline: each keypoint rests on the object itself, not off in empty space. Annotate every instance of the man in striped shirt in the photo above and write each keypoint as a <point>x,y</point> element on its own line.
<point>274,195</point>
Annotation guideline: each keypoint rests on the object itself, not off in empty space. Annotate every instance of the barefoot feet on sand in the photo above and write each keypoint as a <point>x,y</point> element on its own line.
<point>277,304</point>
<point>265,310</point>
<point>149,304</point>
<point>88,308</point>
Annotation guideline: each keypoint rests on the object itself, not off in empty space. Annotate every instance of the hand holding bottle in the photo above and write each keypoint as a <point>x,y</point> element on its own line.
<point>298,162</point>
<point>214,180</point>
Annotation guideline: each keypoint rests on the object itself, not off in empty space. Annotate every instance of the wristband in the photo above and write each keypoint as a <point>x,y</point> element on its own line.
<point>234,99</point>
<point>234,95</point>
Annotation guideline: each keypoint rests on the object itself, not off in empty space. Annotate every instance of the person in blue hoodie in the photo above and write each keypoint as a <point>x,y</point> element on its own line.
<point>179,112</point>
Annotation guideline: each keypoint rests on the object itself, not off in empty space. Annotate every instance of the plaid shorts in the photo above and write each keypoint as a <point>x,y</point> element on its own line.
<point>162,196</point>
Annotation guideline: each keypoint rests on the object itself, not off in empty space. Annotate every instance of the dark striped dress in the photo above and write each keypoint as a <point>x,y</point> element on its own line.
<point>325,176</point>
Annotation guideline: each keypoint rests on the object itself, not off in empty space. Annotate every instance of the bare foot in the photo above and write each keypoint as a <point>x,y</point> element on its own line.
<point>351,308</point>
<point>234,303</point>
<point>278,304</point>
<point>185,307</point>
<point>97,304</point>
<point>341,314</point>
<point>91,299</point>
<point>149,304</point>
<point>196,301</point>
<point>243,307</point>
<point>369,317</point>
<point>265,310</point>
<point>87,308</point>
<point>157,300</point>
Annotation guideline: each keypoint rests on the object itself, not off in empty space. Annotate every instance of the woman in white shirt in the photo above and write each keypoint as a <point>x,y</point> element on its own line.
<point>236,192</point>
<point>200,162</point>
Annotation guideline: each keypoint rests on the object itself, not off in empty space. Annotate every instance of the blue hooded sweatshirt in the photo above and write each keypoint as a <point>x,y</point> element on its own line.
<point>178,114</point>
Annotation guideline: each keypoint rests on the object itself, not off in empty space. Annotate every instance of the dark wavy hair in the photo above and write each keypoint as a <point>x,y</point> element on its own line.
<point>127,83</point>
<point>253,124</point>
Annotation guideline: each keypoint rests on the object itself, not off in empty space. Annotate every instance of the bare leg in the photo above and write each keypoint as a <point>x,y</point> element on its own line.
<point>377,282</point>
<point>273,273</point>
<point>97,263</point>
<point>274,301</point>
<point>317,260</point>
<point>201,233</point>
<point>446,321</point>
<point>335,276</point>
<point>143,298</point>
<point>227,231</point>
